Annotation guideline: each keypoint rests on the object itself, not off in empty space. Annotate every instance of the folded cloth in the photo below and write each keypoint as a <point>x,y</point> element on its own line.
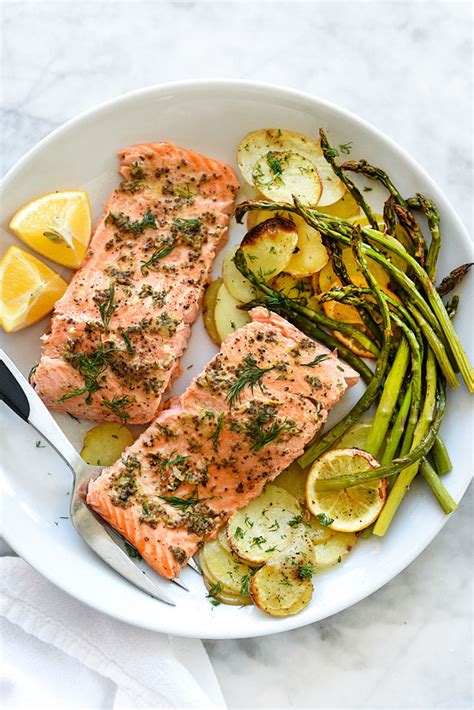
<point>79,658</point>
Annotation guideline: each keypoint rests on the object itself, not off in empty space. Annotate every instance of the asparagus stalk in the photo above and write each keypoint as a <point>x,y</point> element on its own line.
<point>447,503</point>
<point>329,154</point>
<point>276,301</point>
<point>388,400</point>
<point>410,225</point>
<point>430,210</point>
<point>441,457</point>
<point>310,314</point>
<point>453,279</point>
<point>425,424</point>
<point>337,483</point>
<point>370,394</point>
<point>370,171</point>
<point>452,306</point>
<point>398,427</point>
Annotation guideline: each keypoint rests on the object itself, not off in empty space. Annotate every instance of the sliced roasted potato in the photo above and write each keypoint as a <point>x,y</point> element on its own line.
<point>268,247</point>
<point>282,175</point>
<point>310,254</point>
<point>265,526</point>
<point>328,278</point>
<point>222,537</point>
<point>293,480</point>
<point>318,533</point>
<point>104,443</point>
<point>216,593</point>
<point>222,568</point>
<point>237,285</point>
<point>209,306</point>
<point>259,143</point>
<point>228,316</point>
<point>283,586</point>
<point>332,551</point>
<point>346,207</point>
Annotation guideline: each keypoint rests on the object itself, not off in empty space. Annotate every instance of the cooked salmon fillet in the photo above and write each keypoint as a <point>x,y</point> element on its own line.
<point>118,332</point>
<point>215,447</point>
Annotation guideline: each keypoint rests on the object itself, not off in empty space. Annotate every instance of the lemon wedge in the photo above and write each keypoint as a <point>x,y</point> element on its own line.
<point>57,225</point>
<point>350,509</point>
<point>28,289</point>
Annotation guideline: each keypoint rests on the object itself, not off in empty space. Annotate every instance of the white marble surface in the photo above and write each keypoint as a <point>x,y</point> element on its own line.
<point>404,66</point>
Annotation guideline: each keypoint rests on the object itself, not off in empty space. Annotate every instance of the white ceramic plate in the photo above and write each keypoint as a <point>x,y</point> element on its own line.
<point>209,117</point>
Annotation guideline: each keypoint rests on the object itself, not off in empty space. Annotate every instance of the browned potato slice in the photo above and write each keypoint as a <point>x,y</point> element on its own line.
<point>346,207</point>
<point>225,570</point>
<point>104,443</point>
<point>310,254</point>
<point>283,586</point>
<point>334,549</point>
<point>268,247</point>
<point>293,480</point>
<point>209,305</point>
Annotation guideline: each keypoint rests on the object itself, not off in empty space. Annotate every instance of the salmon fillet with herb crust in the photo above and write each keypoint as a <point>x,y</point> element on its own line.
<point>118,332</point>
<point>241,422</point>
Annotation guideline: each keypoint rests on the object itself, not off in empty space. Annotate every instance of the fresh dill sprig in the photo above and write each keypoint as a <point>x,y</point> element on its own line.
<point>187,226</point>
<point>128,344</point>
<point>91,367</point>
<point>295,520</point>
<point>317,361</point>
<point>306,571</point>
<point>248,376</point>
<point>150,264</point>
<point>244,588</point>
<point>215,435</point>
<point>118,406</point>
<point>170,461</point>
<point>181,503</point>
<point>324,519</point>
<point>214,590</point>
<point>262,436</point>
<point>105,303</point>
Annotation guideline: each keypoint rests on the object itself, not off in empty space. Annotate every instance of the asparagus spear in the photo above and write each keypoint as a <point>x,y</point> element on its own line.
<point>447,503</point>
<point>430,210</point>
<point>398,427</point>
<point>452,306</point>
<point>425,424</point>
<point>410,225</point>
<point>453,279</point>
<point>370,394</point>
<point>441,457</point>
<point>370,171</point>
<point>330,153</point>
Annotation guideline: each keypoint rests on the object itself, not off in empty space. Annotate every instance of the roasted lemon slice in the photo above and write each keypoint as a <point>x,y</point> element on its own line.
<point>349,509</point>
<point>57,226</point>
<point>28,289</point>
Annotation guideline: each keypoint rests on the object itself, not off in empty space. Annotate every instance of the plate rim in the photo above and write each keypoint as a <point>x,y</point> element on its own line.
<point>270,89</point>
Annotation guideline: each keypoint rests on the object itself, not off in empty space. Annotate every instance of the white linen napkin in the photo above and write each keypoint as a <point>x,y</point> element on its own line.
<point>59,653</point>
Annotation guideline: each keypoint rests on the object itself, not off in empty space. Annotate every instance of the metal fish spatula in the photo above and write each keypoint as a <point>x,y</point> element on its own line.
<point>17,394</point>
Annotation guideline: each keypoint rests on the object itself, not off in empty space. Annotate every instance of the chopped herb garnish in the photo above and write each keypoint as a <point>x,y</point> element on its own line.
<point>324,519</point>
<point>214,590</point>
<point>275,526</point>
<point>257,541</point>
<point>105,303</point>
<point>306,571</point>
<point>317,361</point>
<point>40,445</point>
<point>124,223</point>
<point>158,254</point>
<point>118,406</point>
<point>345,148</point>
<point>215,435</point>
<point>262,436</point>
<point>244,589</point>
<point>170,461</point>
<point>128,345</point>
<point>295,520</point>
<point>271,549</point>
<point>181,503</point>
<point>91,367</point>
<point>367,188</point>
<point>248,376</point>
<point>248,522</point>
<point>239,533</point>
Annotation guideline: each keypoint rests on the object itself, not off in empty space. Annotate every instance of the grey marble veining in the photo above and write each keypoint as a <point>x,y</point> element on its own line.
<point>405,67</point>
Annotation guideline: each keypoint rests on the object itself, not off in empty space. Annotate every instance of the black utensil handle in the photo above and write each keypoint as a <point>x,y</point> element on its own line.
<point>12,393</point>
